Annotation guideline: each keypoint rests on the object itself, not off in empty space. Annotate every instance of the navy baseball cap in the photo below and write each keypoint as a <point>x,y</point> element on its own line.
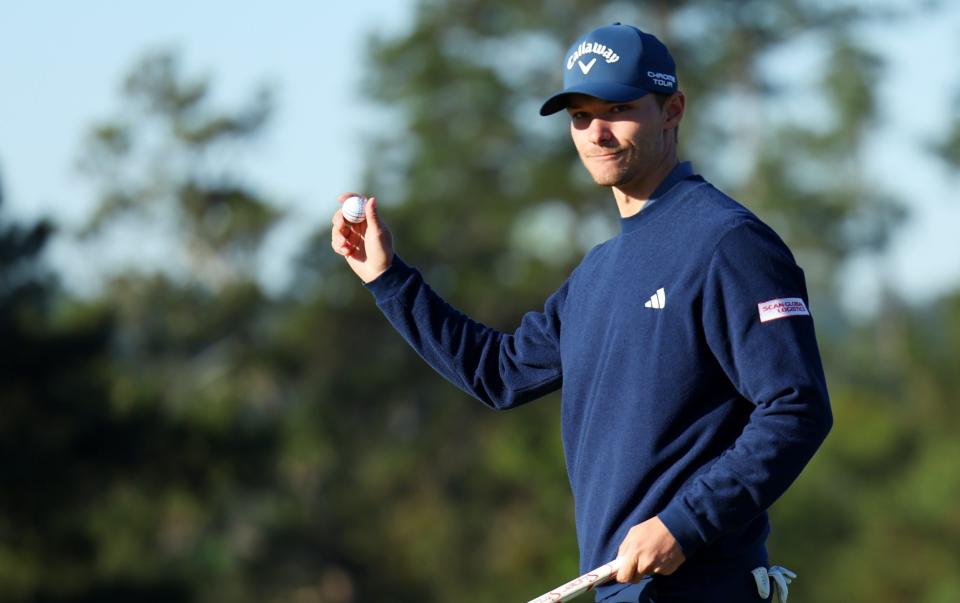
<point>615,63</point>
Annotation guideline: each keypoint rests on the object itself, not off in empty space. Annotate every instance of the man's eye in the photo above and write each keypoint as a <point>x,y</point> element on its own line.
<point>579,115</point>
<point>619,108</point>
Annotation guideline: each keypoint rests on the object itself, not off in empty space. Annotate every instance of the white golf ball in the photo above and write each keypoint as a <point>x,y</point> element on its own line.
<point>352,209</point>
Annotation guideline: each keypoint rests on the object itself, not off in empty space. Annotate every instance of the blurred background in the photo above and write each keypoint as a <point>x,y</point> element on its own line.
<point>199,402</point>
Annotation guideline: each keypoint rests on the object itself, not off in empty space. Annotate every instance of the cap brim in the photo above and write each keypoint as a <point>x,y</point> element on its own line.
<point>604,91</point>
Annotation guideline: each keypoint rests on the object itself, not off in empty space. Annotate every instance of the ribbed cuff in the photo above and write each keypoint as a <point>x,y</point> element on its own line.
<point>389,283</point>
<point>682,527</point>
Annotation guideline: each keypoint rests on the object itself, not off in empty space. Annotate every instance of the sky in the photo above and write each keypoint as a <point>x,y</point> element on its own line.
<point>61,68</point>
<point>62,63</point>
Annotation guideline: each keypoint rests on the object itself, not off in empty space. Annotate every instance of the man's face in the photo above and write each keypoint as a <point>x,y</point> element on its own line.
<point>621,143</point>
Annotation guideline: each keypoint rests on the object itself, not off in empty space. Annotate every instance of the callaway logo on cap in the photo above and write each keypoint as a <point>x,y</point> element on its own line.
<point>615,63</point>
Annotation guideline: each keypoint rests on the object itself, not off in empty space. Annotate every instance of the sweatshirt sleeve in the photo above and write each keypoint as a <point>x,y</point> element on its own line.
<point>501,370</point>
<point>758,326</point>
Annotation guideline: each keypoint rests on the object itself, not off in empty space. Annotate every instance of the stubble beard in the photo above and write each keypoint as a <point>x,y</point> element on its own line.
<point>628,168</point>
<point>633,163</point>
<point>608,178</point>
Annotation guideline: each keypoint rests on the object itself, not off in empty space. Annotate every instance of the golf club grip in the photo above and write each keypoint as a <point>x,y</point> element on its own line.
<point>578,586</point>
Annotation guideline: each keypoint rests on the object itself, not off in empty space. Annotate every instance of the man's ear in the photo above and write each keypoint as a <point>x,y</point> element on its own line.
<point>673,110</point>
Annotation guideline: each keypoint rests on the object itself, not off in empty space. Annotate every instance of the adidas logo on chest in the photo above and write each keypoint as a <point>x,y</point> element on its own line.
<point>657,301</point>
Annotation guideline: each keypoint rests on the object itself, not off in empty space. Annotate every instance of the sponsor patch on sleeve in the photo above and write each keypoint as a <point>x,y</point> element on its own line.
<point>782,308</point>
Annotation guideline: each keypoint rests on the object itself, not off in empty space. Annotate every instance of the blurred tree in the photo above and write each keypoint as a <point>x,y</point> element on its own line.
<point>142,428</point>
<point>884,482</point>
<point>167,159</point>
<point>59,442</point>
<point>191,345</point>
<point>948,147</point>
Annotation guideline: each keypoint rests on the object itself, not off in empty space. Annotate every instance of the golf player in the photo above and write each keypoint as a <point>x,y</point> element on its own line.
<point>692,388</point>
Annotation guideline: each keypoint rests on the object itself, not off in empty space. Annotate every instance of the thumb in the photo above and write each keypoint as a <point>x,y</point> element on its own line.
<point>372,215</point>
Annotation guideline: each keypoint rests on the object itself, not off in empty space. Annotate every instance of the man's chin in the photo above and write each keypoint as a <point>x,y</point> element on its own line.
<point>609,177</point>
<point>607,181</point>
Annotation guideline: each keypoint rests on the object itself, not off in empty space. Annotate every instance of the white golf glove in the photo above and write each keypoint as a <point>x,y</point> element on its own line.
<point>781,577</point>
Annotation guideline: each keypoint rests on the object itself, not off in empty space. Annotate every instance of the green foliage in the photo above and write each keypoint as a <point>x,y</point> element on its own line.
<point>873,518</point>
<point>166,160</point>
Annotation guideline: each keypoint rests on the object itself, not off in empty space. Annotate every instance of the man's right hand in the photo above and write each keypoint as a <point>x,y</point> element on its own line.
<point>367,246</point>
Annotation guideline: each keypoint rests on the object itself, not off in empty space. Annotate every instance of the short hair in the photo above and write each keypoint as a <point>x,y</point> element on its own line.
<point>661,99</point>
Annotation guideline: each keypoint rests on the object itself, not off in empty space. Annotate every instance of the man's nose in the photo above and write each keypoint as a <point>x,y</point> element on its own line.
<point>599,131</point>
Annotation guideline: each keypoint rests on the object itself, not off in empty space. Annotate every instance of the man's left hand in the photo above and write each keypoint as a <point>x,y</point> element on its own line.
<point>649,548</point>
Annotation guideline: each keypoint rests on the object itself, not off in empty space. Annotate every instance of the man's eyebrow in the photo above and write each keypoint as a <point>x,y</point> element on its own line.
<point>575,105</point>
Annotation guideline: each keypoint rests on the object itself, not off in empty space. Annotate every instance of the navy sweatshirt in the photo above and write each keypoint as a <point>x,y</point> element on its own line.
<point>692,384</point>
